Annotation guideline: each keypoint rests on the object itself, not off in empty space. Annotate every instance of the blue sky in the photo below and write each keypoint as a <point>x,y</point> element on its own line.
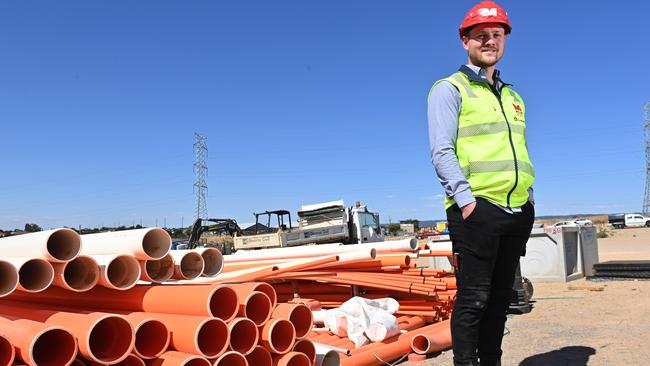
<point>301,102</point>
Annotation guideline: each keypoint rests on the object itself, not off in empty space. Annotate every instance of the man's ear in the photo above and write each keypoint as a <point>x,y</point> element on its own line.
<point>465,40</point>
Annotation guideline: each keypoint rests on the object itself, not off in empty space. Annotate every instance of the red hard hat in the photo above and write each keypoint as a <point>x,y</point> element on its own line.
<point>485,12</point>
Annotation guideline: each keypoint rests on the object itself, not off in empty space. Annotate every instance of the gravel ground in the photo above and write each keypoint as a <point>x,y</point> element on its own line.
<point>573,325</point>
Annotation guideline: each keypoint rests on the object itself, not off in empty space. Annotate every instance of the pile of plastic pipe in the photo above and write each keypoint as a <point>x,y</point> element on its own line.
<point>229,318</point>
<point>117,260</point>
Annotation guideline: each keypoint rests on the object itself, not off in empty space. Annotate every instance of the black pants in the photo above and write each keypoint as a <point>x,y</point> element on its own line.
<point>488,243</point>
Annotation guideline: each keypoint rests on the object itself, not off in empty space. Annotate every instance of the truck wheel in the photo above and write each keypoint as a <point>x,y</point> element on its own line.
<point>647,224</point>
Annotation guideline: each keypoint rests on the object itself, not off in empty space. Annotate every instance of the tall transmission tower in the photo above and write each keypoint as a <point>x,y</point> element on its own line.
<point>201,172</point>
<point>646,134</point>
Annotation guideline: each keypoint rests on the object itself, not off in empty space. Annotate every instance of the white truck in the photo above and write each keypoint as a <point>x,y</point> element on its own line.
<point>620,221</point>
<point>328,222</point>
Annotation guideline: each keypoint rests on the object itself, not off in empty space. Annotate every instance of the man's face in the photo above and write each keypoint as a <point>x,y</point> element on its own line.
<point>485,44</point>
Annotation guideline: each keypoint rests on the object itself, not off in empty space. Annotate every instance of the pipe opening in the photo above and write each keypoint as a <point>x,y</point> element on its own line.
<point>81,273</point>
<point>160,270</point>
<point>331,358</point>
<point>36,275</point>
<point>281,336</point>
<point>224,303</point>
<point>64,244</point>
<point>7,352</point>
<point>151,339</point>
<point>212,338</point>
<point>196,361</point>
<point>259,357</point>
<point>156,243</point>
<point>296,359</point>
<point>407,261</point>
<point>213,262</point>
<point>243,335</point>
<point>54,347</point>
<point>8,278</point>
<point>130,360</point>
<point>302,319</point>
<point>191,265</point>
<point>123,272</point>
<point>258,308</point>
<point>110,339</point>
<point>231,359</point>
<point>307,348</point>
<point>420,344</point>
<point>269,291</point>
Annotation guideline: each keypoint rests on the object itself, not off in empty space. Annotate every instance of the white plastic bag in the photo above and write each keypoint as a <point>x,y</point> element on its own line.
<point>364,320</point>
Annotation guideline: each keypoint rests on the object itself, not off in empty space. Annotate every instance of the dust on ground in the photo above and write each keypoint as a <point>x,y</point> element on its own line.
<point>580,326</point>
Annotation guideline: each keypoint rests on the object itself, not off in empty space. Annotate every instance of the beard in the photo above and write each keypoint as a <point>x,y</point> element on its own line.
<point>482,60</point>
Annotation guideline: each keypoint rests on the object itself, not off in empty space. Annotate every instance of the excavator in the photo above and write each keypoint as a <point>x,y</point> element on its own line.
<point>219,226</point>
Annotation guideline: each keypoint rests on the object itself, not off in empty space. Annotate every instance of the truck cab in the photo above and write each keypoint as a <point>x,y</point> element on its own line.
<point>365,226</point>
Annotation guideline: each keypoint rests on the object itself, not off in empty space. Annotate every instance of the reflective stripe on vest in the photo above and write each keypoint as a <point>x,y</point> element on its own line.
<point>488,133</point>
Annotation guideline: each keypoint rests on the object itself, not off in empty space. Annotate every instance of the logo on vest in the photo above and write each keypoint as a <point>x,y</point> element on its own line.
<point>519,113</point>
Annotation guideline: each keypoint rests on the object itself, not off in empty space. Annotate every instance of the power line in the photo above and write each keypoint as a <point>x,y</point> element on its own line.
<point>201,171</point>
<point>646,130</point>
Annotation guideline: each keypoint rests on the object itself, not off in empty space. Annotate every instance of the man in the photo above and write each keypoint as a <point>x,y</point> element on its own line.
<point>477,131</point>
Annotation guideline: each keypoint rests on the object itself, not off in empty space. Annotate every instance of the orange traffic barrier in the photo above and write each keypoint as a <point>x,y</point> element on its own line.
<point>102,337</point>
<point>243,335</point>
<point>151,335</point>
<point>204,336</point>
<point>306,347</point>
<point>291,359</point>
<point>174,358</point>
<point>231,358</point>
<point>299,315</point>
<point>253,305</point>
<point>7,352</point>
<point>259,357</point>
<point>278,335</point>
<point>207,300</point>
<point>37,343</point>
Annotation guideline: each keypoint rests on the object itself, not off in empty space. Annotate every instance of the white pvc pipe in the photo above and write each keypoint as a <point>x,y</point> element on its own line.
<point>188,264</point>
<point>118,272</point>
<point>144,244</point>
<point>213,260</point>
<point>58,245</point>
<point>405,245</point>
<point>80,274</point>
<point>327,355</point>
<point>34,274</point>
<point>157,270</point>
<point>318,316</point>
<point>324,348</point>
<point>8,278</point>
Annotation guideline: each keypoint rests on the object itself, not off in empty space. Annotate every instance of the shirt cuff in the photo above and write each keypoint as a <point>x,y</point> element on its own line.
<point>464,198</point>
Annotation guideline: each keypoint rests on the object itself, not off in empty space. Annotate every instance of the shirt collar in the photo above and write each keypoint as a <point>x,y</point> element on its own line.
<point>475,73</point>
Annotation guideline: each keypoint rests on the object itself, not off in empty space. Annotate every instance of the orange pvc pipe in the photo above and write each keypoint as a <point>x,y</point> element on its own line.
<point>80,274</point>
<point>174,358</point>
<point>292,359</point>
<point>264,287</point>
<point>278,335</point>
<point>207,300</point>
<point>157,270</point>
<point>36,343</point>
<point>254,305</point>
<point>392,349</point>
<point>151,335</point>
<point>231,358</point>
<point>259,357</point>
<point>200,335</point>
<point>7,352</point>
<point>102,337</point>
<point>243,335</point>
<point>431,342</point>
<point>299,315</point>
<point>307,348</point>
<point>130,360</point>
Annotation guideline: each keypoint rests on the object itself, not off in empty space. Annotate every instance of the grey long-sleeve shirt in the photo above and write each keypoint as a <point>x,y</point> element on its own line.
<point>444,106</point>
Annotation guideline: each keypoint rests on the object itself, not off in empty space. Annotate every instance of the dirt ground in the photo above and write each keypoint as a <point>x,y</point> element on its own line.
<point>573,325</point>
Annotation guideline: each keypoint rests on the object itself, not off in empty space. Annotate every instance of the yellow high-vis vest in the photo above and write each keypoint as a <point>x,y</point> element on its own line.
<point>491,142</point>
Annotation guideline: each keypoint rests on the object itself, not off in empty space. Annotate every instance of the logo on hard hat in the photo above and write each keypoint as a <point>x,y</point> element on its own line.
<point>485,12</point>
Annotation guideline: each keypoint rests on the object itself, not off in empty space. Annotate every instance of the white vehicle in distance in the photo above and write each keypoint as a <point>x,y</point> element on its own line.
<point>565,224</point>
<point>583,222</point>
